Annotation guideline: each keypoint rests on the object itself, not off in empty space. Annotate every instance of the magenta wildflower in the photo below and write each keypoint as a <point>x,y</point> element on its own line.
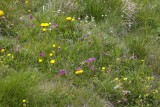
<point>62,72</point>
<point>42,54</point>
<point>31,16</point>
<point>79,68</point>
<point>90,60</point>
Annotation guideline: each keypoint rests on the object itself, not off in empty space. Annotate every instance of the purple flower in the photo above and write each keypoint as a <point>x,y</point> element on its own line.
<point>54,26</point>
<point>42,54</point>
<point>90,60</point>
<point>79,68</point>
<point>31,16</point>
<point>62,72</point>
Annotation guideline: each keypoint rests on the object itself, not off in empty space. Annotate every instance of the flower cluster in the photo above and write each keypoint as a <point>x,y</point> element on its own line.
<point>70,19</point>
<point>79,71</point>
<point>62,72</point>
<point>43,56</point>
<point>24,102</point>
<point>90,61</point>
<point>44,25</point>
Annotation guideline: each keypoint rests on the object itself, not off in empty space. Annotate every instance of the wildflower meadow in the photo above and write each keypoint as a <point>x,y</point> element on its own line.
<point>79,53</point>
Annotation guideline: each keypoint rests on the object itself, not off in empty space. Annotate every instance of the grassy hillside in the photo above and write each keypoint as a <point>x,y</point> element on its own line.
<point>79,53</point>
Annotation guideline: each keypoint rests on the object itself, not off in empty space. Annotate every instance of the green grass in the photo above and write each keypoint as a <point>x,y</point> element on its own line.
<point>125,71</point>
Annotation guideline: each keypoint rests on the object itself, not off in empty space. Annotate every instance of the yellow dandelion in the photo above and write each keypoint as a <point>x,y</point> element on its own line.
<point>79,71</point>
<point>2,50</point>
<point>24,101</point>
<point>142,60</point>
<point>44,24</point>
<point>51,54</point>
<point>69,18</point>
<point>54,45</point>
<point>1,13</point>
<point>44,29</point>
<point>125,79</point>
<point>59,47</point>
<point>8,54</point>
<point>73,19</point>
<point>40,60</point>
<point>103,68</point>
<point>52,61</point>
<point>116,79</point>
<point>12,56</point>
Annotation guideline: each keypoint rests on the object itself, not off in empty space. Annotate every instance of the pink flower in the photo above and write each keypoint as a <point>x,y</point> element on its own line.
<point>90,60</point>
<point>79,68</point>
<point>42,54</point>
<point>62,72</point>
<point>31,16</point>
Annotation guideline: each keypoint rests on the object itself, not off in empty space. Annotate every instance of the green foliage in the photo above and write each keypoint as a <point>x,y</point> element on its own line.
<point>99,9</point>
<point>15,87</point>
<point>98,62</point>
<point>6,29</point>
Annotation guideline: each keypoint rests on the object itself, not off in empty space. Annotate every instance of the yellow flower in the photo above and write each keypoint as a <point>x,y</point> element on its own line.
<point>51,54</point>
<point>103,68</point>
<point>8,54</point>
<point>73,19</point>
<point>24,101</point>
<point>54,45</point>
<point>1,13</point>
<point>59,47</point>
<point>79,71</point>
<point>69,18</point>
<point>44,24</point>
<point>52,61</point>
<point>125,79</point>
<point>12,56</point>
<point>40,60</point>
<point>26,1</point>
<point>2,50</point>
<point>142,60</point>
<point>44,29</point>
<point>116,79</point>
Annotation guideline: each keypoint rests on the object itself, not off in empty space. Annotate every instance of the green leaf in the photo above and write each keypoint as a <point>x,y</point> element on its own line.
<point>158,29</point>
